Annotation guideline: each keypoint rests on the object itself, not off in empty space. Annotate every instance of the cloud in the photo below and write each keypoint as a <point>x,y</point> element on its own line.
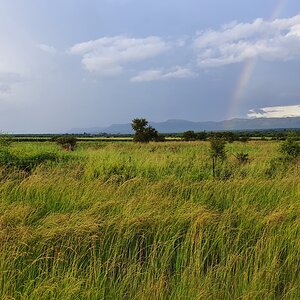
<point>275,112</point>
<point>154,75</point>
<point>107,56</point>
<point>7,80</point>
<point>47,48</point>
<point>277,40</point>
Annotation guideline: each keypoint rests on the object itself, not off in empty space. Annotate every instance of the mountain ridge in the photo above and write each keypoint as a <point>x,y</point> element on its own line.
<point>179,125</point>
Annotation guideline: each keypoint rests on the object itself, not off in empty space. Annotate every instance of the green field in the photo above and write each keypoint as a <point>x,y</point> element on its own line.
<point>130,221</point>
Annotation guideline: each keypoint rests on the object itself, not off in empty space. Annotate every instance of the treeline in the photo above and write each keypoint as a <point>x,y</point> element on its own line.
<point>145,133</point>
<point>242,136</point>
<point>228,136</point>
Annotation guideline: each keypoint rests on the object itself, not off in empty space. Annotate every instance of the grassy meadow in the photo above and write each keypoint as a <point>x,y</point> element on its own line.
<point>148,221</point>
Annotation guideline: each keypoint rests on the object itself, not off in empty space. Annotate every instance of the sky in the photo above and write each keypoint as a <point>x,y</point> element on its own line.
<point>87,63</point>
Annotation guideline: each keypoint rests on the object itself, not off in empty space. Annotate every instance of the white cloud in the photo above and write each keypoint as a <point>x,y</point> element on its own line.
<point>275,112</point>
<point>277,40</point>
<point>154,75</point>
<point>47,48</point>
<point>107,56</point>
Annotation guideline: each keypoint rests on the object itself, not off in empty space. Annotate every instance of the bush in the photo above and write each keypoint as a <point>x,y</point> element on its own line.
<point>217,151</point>
<point>67,142</point>
<point>242,157</point>
<point>290,148</point>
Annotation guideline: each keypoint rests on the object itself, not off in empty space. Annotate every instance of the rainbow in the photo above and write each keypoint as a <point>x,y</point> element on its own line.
<point>249,67</point>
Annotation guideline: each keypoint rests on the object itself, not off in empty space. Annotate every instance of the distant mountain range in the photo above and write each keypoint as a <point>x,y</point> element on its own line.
<point>177,126</point>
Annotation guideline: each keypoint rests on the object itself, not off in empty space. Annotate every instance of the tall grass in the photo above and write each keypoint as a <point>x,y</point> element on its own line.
<point>127,221</point>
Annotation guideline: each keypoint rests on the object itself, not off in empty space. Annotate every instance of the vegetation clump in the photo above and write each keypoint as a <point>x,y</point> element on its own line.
<point>191,135</point>
<point>242,157</point>
<point>66,142</point>
<point>145,133</point>
<point>217,152</point>
<point>290,148</point>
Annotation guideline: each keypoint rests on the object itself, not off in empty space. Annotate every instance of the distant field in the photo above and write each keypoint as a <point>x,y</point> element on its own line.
<point>83,139</point>
<point>105,139</point>
<point>131,221</point>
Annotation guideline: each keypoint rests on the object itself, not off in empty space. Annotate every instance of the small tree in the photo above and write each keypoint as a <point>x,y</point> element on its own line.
<point>143,132</point>
<point>217,152</point>
<point>67,142</point>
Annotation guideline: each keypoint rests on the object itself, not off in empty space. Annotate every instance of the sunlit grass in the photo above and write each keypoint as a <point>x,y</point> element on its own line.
<point>130,221</point>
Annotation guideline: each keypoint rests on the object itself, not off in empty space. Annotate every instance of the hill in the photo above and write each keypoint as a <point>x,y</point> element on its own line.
<point>171,126</point>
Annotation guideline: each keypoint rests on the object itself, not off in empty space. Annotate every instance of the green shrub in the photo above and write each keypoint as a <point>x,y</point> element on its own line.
<point>242,157</point>
<point>67,142</point>
<point>217,152</point>
<point>290,147</point>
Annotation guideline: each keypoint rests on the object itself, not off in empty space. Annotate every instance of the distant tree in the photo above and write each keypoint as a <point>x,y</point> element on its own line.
<point>217,152</point>
<point>66,142</point>
<point>202,136</point>
<point>290,148</point>
<point>189,135</point>
<point>143,132</point>
<point>229,136</point>
<point>139,125</point>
